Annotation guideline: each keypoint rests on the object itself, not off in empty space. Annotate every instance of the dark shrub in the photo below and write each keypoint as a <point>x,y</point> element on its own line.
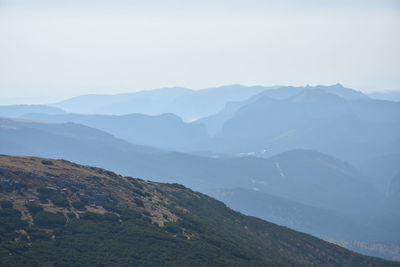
<point>130,215</point>
<point>79,205</point>
<point>138,192</point>
<point>60,201</point>
<point>5,204</point>
<point>145,212</point>
<point>35,234</point>
<point>47,162</point>
<point>110,217</point>
<point>135,183</point>
<point>91,216</point>
<point>139,202</point>
<point>172,228</point>
<point>45,193</point>
<point>71,215</point>
<point>10,220</point>
<point>34,208</point>
<point>50,220</point>
<point>179,186</point>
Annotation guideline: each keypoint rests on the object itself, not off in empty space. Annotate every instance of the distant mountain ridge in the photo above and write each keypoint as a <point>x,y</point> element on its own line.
<point>19,110</point>
<point>275,120</point>
<point>386,95</point>
<point>166,131</point>
<point>215,122</point>
<point>312,119</point>
<point>324,223</point>
<point>186,103</point>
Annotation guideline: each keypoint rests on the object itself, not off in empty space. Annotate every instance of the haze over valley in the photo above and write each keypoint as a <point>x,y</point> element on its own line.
<point>200,133</point>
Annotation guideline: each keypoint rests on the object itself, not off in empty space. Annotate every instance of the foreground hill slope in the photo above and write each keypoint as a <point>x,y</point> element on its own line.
<point>86,215</point>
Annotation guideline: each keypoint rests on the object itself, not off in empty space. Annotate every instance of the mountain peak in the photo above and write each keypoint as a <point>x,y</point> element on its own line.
<point>315,95</point>
<point>338,85</point>
<point>340,90</point>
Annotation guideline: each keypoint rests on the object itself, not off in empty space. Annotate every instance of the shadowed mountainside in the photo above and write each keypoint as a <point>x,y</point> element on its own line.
<point>387,95</point>
<point>215,122</point>
<point>324,223</point>
<point>165,131</point>
<point>354,130</point>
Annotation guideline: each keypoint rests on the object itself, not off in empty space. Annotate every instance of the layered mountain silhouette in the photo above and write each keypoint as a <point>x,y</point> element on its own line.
<point>166,131</point>
<point>284,154</point>
<point>19,110</point>
<point>186,103</point>
<point>216,121</point>
<point>324,223</point>
<point>331,119</point>
<point>307,181</point>
<point>354,130</point>
<point>305,176</point>
<point>89,216</point>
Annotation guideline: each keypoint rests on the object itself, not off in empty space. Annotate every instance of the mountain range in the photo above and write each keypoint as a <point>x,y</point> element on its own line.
<point>19,110</point>
<point>332,119</point>
<point>321,160</point>
<point>186,103</point>
<point>305,176</point>
<point>166,131</point>
<point>354,130</point>
<point>307,181</point>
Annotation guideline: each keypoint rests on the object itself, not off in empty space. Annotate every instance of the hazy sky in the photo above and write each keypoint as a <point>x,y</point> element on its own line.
<point>64,48</point>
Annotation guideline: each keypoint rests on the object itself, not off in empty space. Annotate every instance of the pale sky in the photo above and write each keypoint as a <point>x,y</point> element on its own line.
<point>52,49</point>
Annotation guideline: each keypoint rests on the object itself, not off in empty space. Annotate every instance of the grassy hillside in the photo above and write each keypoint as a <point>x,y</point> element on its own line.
<point>55,212</point>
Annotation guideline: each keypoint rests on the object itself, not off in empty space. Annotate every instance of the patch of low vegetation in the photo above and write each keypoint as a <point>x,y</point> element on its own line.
<point>118,239</point>
<point>5,204</point>
<point>60,201</point>
<point>79,205</point>
<point>47,162</point>
<point>139,202</point>
<point>49,220</point>
<point>34,208</point>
